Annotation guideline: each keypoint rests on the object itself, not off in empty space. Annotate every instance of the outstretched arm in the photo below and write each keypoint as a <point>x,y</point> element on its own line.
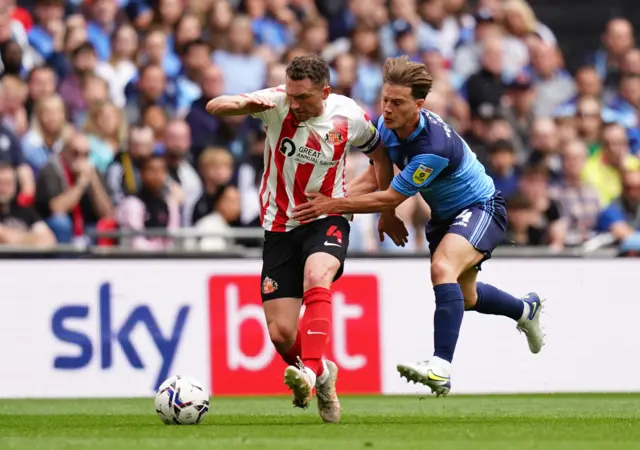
<point>238,105</point>
<point>417,175</point>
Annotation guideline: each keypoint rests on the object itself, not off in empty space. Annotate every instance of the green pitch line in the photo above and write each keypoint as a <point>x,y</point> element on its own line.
<point>549,422</point>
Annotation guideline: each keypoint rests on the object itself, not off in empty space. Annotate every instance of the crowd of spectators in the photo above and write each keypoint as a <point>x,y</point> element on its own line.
<point>103,122</point>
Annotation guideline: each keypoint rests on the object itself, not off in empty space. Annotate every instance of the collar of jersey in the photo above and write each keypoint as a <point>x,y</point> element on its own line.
<point>416,132</point>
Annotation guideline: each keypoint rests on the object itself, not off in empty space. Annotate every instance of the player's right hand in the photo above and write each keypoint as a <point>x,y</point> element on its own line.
<point>256,105</point>
<point>394,227</point>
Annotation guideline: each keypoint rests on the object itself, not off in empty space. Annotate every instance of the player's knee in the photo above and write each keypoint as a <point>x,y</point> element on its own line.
<point>320,274</point>
<point>283,335</point>
<point>443,272</point>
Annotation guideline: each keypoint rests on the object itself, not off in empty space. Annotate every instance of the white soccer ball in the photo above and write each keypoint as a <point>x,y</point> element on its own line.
<point>181,401</point>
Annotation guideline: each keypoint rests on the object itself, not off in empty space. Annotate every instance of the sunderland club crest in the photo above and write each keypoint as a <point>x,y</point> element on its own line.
<point>334,137</point>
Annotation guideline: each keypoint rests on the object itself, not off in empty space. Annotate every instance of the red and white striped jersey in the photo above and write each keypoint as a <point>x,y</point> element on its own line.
<point>307,156</point>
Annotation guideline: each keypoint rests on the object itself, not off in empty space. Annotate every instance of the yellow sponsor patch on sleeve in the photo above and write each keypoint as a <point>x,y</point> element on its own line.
<point>421,174</point>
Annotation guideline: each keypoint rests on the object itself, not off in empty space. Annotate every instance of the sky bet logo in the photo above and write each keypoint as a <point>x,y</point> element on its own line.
<point>110,336</point>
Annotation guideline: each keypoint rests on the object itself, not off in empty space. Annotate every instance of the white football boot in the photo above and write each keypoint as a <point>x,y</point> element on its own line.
<point>301,381</point>
<point>529,323</point>
<point>328,403</point>
<point>434,373</point>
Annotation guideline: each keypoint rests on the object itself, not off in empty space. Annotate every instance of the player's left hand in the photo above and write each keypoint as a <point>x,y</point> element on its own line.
<point>394,227</point>
<point>318,205</point>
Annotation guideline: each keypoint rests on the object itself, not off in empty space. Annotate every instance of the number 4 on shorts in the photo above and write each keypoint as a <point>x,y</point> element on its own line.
<point>333,231</point>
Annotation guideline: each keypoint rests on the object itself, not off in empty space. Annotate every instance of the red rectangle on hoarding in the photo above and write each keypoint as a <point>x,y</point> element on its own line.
<point>244,361</point>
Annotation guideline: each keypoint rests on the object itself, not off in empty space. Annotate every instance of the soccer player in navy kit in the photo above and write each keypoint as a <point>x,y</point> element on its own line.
<point>468,216</point>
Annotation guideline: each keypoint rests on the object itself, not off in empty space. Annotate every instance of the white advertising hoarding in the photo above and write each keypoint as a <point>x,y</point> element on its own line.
<point>116,328</point>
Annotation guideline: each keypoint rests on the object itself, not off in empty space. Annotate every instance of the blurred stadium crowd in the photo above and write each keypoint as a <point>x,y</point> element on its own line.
<point>103,122</point>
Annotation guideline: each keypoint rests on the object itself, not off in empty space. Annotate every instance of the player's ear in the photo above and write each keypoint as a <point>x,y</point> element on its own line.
<point>325,92</point>
<point>420,103</point>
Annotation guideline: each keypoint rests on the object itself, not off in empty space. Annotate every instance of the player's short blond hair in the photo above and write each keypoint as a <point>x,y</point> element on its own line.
<point>414,75</point>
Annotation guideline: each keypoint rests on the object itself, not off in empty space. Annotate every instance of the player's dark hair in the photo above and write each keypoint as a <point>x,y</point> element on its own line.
<point>414,75</point>
<point>312,67</point>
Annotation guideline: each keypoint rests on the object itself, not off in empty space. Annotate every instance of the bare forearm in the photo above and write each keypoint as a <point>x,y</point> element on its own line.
<point>228,105</point>
<point>27,182</point>
<point>364,183</point>
<point>369,203</point>
<point>100,199</point>
<point>66,201</point>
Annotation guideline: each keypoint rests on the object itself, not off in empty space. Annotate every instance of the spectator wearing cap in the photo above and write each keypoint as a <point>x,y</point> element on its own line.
<point>406,40</point>
<point>152,208</point>
<point>502,167</point>
<point>521,96</point>
<point>239,58</point>
<point>70,195</point>
<point>622,217</point>
<point>604,169</point>
<point>406,10</point>
<point>553,84</point>
<point>19,224</point>
<point>579,201</point>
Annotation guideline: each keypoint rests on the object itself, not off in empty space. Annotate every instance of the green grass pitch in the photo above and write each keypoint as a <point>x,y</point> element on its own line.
<point>549,422</point>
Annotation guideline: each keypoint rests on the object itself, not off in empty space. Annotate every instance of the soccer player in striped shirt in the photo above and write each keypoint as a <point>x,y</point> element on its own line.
<point>309,130</point>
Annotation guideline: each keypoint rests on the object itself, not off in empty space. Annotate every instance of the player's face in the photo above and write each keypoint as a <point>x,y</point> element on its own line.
<point>399,108</point>
<point>305,98</point>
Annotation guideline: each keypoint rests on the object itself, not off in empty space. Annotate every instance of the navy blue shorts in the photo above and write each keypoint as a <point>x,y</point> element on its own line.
<point>484,225</point>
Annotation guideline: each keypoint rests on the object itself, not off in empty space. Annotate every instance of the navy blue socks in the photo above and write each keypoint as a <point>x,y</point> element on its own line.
<point>492,300</point>
<point>447,319</point>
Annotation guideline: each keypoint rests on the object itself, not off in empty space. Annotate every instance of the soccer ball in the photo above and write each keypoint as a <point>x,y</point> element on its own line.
<point>181,401</point>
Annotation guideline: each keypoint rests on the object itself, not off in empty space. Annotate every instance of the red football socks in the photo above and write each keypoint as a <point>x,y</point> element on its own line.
<point>291,357</point>
<point>316,326</point>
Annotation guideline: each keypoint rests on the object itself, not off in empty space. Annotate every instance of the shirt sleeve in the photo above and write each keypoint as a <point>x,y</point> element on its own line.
<point>364,135</point>
<point>418,174</point>
<point>276,95</point>
<point>609,217</point>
